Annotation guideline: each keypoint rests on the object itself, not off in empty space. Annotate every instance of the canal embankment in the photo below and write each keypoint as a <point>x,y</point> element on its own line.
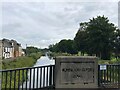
<point>20,62</point>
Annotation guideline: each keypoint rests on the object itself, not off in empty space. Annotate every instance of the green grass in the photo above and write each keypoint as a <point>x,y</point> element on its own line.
<point>112,61</point>
<point>20,62</point>
<point>13,79</point>
<point>53,54</point>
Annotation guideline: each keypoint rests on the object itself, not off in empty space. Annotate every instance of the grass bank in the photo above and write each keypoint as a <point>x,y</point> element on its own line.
<point>112,61</point>
<point>20,62</point>
<point>53,54</point>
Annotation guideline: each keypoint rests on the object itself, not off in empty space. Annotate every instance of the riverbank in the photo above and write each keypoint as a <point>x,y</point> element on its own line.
<point>20,62</point>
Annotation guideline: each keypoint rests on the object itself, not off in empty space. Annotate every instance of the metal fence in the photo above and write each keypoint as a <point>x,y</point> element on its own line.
<point>43,77</point>
<point>28,78</point>
<point>109,77</point>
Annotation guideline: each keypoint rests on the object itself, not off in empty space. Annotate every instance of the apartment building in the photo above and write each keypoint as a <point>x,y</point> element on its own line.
<point>10,49</point>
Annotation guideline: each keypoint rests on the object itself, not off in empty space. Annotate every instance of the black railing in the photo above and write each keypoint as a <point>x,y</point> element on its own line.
<point>109,77</point>
<point>43,77</point>
<point>28,78</point>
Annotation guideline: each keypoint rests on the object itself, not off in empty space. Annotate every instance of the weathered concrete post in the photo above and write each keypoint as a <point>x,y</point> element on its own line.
<point>76,72</point>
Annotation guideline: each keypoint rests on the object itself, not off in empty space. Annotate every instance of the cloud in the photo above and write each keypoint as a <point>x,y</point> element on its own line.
<point>44,23</point>
<point>59,1</point>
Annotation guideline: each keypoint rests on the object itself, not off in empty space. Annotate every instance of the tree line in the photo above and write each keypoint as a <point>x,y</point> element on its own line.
<point>96,37</point>
<point>31,49</point>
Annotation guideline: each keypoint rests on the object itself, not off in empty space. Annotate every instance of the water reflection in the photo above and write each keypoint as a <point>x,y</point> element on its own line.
<point>36,77</point>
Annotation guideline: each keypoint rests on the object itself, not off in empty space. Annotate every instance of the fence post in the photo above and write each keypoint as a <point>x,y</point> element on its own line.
<point>50,76</point>
<point>118,75</point>
<point>53,76</point>
<point>98,75</point>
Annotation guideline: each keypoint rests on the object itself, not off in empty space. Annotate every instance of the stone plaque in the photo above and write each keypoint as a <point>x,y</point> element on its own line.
<point>80,72</point>
<point>76,72</point>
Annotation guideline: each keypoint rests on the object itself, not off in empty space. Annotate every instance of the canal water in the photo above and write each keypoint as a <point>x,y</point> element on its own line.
<point>43,61</point>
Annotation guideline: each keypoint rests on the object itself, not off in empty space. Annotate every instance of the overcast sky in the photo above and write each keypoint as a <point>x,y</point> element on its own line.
<point>43,23</point>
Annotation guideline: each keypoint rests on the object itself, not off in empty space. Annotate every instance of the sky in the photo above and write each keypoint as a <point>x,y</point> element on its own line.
<point>40,23</point>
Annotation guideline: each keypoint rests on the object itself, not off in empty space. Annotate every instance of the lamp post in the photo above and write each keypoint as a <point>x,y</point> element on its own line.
<point>26,50</point>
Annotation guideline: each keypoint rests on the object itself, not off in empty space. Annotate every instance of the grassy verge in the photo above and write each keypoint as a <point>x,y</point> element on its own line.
<point>53,54</point>
<point>20,62</point>
<point>112,61</point>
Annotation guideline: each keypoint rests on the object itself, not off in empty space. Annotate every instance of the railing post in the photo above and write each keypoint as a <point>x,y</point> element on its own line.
<point>107,67</point>
<point>14,79</point>
<point>54,76</point>
<point>1,81</point>
<point>98,75</point>
<point>119,76</point>
<point>6,81</point>
<point>50,77</point>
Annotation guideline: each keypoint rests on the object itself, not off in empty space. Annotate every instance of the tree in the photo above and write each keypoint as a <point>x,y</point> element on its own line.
<point>53,47</point>
<point>31,49</point>
<point>80,39</point>
<point>117,43</point>
<point>65,46</point>
<point>97,37</point>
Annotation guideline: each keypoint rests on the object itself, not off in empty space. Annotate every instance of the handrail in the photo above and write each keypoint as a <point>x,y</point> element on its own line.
<point>28,77</point>
<point>25,68</point>
<point>40,67</point>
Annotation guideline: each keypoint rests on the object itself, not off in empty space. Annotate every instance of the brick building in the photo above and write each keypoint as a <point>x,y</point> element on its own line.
<point>10,49</point>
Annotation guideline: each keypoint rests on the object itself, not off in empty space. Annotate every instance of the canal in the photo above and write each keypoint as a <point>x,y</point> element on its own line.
<point>43,61</point>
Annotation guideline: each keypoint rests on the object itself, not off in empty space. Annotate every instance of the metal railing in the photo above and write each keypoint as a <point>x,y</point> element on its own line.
<point>28,78</point>
<point>110,77</point>
<point>43,77</point>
